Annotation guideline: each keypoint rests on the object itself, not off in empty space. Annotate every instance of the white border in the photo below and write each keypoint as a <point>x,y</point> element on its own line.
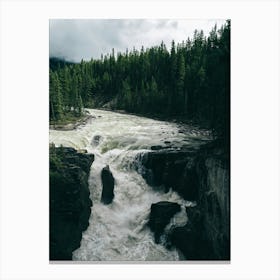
<point>255,138</point>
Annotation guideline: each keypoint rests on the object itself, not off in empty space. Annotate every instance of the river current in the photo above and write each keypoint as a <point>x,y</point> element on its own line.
<point>118,232</point>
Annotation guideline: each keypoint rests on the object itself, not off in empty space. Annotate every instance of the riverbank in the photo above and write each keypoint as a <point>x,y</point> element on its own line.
<point>221,141</point>
<point>179,119</point>
<point>71,124</point>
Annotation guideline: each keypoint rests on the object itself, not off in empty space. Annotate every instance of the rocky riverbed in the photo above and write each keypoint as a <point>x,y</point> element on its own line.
<point>160,192</point>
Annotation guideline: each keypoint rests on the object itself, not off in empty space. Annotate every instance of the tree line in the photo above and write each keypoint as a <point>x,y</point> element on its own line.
<point>191,80</point>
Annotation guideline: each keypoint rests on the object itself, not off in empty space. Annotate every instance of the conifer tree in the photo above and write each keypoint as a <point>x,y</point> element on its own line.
<point>180,82</point>
<point>65,85</point>
<point>56,104</point>
<point>190,79</point>
<point>173,66</point>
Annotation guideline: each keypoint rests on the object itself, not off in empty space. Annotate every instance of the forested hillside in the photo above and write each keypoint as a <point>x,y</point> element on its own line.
<point>192,80</point>
<point>56,63</point>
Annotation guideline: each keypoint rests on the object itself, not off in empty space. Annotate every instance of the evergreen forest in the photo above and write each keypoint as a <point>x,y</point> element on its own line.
<point>191,81</point>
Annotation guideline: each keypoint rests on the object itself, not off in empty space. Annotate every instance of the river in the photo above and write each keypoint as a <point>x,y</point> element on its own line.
<point>118,232</point>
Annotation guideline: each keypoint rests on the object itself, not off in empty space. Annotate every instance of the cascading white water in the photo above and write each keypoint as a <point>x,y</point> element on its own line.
<point>118,232</point>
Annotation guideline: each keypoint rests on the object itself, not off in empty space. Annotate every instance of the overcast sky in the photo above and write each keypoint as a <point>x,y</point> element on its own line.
<point>78,39</point>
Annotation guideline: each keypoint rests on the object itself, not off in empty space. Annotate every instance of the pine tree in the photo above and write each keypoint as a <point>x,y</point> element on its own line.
<point>52,114</point>
<point>173,70</point>
<point>192,78</point>
<point>76,100</point>
<point>180,83</point>
<point>56,104</point>
<point>65,84</point>
<point>187,88</point>
<point>127,95</point>
<point>154,95</point>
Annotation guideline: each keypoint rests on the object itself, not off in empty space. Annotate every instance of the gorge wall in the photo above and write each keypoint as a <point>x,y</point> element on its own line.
<point>70,205</point>
<point>201,176</point>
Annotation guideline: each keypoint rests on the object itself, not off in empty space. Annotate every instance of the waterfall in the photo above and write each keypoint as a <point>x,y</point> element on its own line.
<point>118,231</point>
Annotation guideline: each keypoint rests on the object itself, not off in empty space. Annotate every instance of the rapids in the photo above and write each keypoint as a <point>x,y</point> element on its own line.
<point>118,232</point>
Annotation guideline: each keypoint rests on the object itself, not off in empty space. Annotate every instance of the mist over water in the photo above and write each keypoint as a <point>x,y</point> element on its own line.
<point>118,231</point>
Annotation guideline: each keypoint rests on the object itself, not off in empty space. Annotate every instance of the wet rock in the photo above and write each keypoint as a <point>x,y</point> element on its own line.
<point>75,158</point>
<point>171,169</point>
<point>160,216</point>
<point>66,150</point>
<point>82,151</point>
<point>69,200</point>
<point>108,183</point>
<point>188,187</point>
<point>207,235</point>
<point>155,148</point>
<point>194,241</point>
<point>96,140</point>
<point>184,239</point>
<point>200,175</point>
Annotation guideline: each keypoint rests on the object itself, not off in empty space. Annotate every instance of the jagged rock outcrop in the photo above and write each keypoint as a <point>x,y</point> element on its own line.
<point>160,216</point>
<point>192,239</point>
<point>201,176</point>
<point>108,183</point>
<point>171,169</point>
<point>70,205</point>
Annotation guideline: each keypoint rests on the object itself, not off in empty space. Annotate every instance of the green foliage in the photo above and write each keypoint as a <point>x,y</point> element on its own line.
<point>54,160</point>
<point>56,102</point>
<point>65,99</point>
<point>192,81</point>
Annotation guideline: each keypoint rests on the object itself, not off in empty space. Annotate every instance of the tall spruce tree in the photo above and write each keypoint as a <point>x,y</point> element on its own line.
<point>56,104</point>
<point>173,74</point>
<point>180,83</point>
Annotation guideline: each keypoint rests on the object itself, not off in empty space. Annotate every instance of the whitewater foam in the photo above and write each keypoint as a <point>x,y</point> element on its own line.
<point>119,232</point>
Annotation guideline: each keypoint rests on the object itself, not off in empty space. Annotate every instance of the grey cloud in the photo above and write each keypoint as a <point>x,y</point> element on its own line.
<point>78,39</point>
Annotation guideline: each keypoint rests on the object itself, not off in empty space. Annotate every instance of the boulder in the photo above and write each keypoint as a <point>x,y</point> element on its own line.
<point>108,183</point>
<point>160,216</point>
<point>96,140</point>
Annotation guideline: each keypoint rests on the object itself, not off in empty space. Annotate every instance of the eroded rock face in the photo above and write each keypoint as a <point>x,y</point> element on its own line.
<point>108,183</point>
<point>204,237</point>
<point>70,205</point>
<point>172,169</point>
<point>160,216</point>
<point>191,239</point>
<point>201,176</point>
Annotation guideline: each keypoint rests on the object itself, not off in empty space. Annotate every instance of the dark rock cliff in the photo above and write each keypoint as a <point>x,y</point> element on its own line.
<point>160,216</point>
<point>201,176</point>
<point>70,205</point>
